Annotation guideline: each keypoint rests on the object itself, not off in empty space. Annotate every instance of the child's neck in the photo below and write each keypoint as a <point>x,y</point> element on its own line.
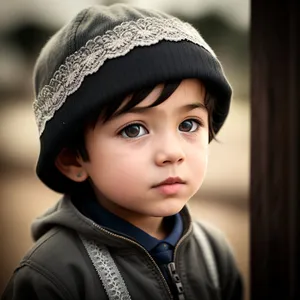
<point>154,226</point>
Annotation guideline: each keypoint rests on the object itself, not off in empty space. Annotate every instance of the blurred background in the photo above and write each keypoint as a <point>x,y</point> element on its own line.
<point>223,199</point>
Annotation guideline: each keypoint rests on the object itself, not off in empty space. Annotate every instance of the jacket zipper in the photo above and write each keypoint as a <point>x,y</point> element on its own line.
<point>153,261</point>
<point>173,272</point>
<point>176,280</point>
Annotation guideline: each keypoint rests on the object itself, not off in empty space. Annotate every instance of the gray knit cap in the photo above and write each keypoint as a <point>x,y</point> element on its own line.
<point>107,52</point>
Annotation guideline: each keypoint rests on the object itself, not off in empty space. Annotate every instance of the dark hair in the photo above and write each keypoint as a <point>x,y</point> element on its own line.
<point>108,110</point>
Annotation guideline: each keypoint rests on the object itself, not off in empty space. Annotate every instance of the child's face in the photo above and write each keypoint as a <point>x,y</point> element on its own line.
<point>134,152</point>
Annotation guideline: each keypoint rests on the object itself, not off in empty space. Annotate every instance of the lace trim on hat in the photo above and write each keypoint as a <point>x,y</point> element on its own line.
<point>107,270</point>
<point>114,43</point>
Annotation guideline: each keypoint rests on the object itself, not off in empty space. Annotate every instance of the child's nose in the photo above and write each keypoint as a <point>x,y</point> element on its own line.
<point>169,151</point>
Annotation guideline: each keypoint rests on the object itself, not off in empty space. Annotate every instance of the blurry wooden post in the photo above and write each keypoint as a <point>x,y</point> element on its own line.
<point>275,136</point>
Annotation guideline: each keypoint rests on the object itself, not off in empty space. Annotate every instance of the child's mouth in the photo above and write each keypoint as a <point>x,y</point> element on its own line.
<point>170,186</point>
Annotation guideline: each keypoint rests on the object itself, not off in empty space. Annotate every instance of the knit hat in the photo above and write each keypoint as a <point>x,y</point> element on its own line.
<point>107,52</point>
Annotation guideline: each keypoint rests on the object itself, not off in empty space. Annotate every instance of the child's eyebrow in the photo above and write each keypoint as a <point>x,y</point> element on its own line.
<point>185,108</point>
<point>192,106</point>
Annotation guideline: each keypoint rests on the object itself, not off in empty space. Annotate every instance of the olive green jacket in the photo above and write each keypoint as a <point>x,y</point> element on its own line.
<point>75,259</point>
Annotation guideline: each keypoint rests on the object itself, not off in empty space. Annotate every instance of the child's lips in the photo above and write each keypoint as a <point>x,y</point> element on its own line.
<point>170,186</point>
<point>170,181</point>
<point>170,189</point>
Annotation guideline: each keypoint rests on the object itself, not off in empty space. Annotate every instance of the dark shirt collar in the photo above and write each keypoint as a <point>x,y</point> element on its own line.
<point>93,210</point>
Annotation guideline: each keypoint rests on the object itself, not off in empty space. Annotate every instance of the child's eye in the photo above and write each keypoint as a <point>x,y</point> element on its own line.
<point>189,125</point>
<point>133,131</point>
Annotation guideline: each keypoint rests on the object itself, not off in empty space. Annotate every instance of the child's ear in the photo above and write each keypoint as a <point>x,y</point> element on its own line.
<point>69,164</point>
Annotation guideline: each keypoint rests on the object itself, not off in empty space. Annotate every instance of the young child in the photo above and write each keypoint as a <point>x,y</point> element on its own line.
<point>127,101</point>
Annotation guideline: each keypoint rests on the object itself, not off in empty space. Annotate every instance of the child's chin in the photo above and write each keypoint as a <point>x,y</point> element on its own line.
<point>169,209</point>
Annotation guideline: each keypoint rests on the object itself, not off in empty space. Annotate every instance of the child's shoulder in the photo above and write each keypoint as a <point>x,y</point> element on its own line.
<point>53,257</point>
<point>53,267</point>
<point>218,254</point>
<point>216,237</point>
<point>54,245</point>
<point>208,235</point>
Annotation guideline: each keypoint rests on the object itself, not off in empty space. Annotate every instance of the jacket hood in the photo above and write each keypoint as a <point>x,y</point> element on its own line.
<point>64,214</point>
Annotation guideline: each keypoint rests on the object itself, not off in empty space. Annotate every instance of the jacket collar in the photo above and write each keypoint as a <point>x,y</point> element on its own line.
<point>65,214</point>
